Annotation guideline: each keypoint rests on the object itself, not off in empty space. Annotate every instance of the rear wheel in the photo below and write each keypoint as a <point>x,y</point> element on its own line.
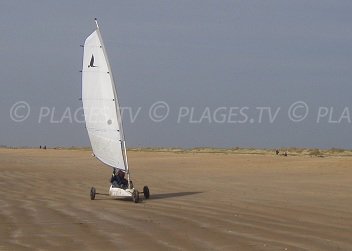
<point>135,196</point>
<point>92,193</point>
<point>146,192</point>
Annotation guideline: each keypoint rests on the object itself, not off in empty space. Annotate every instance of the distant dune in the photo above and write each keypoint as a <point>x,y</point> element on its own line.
<point>292,151</point>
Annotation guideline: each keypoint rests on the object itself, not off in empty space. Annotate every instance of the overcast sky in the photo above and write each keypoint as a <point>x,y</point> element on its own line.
<point>232,73</point>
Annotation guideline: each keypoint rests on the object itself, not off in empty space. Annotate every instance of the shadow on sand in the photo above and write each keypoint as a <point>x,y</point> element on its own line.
<point>170,195</point>
<point>105,196</point>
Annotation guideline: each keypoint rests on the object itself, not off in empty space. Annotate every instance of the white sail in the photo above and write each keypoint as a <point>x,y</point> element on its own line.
<point>100,105</point>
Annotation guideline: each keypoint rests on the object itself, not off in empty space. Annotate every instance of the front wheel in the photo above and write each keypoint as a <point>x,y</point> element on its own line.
<point>92,193</point>
<point>146,192</point>
<point>135,196</point>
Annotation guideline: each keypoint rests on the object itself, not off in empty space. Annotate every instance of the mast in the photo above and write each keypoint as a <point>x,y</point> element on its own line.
<point>96,23</point>
<point>117,105</point>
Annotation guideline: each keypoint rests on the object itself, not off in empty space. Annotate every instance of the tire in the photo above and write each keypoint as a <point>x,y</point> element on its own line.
<point>146,192</point>
<point>135,196</point>
<point>92,193</point>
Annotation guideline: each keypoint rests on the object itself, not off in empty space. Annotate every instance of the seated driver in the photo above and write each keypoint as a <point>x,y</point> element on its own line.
<point>118,180</point>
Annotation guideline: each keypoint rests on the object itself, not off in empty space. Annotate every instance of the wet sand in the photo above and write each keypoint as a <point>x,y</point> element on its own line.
<point>199,201</point>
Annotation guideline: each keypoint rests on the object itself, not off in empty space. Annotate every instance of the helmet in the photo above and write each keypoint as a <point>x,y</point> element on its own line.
<point>121,173</point>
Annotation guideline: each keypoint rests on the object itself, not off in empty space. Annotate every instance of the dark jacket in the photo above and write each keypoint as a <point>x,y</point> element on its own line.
<point>118,181</point>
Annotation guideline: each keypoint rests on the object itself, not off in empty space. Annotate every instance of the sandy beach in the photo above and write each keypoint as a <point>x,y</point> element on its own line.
<point>199,201</point>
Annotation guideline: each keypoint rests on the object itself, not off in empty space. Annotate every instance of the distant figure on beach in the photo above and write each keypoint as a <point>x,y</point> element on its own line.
<point>285,154</point>
<point>118,180</point>
<point>277,152</point>
<point>40,147</point>
<point>44,147</point>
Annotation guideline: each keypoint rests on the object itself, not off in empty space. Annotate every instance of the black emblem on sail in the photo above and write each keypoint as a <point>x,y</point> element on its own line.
<point>91,64</point>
